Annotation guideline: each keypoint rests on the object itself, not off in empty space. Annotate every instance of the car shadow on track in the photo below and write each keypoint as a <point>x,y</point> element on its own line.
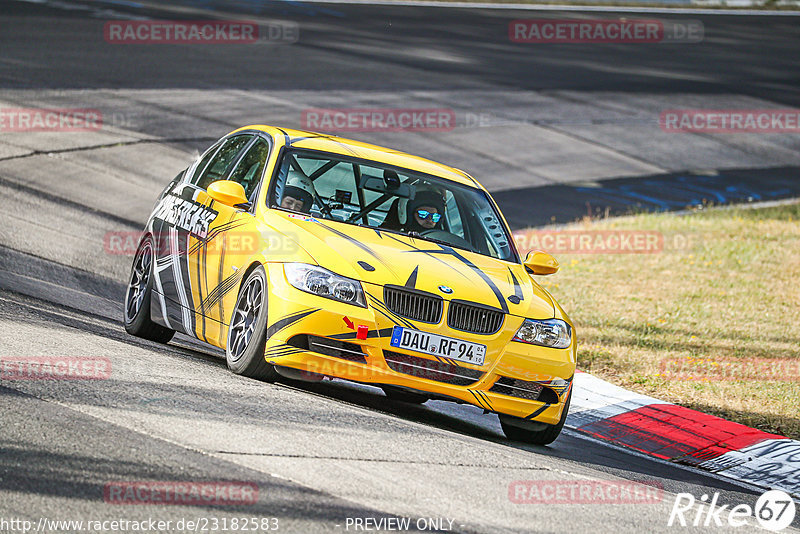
<point>571,446</point>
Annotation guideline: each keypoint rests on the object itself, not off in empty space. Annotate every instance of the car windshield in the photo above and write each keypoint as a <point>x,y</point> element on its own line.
<point>369,194</point>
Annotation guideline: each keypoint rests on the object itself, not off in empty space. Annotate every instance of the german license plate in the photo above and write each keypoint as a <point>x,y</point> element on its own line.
<point>436,345</point>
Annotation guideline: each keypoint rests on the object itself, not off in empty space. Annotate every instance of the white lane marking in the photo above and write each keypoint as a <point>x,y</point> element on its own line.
<point>689,469</point>
<point>775,462</point>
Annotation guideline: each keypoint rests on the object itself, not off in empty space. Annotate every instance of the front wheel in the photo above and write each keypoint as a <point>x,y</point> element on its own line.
<point>137,297</point>
<point>247,334</point>
<point>515,430</point>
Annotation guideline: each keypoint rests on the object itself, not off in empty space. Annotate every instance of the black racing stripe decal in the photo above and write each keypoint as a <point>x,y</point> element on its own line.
<point>450,361</point>
<point>383,332</point>
<point>220,274</point>
<point>391,318</point>
<point>203,241</point>
<point>478,399</point>
<point>485,399</point>
<point>201,248</point>
<point>220,291</point>
<point>537,412</point>
<point>286,139</point>
<point>415,249</point>
<point>440,358</point>
<point>518,295</point>
<point>381,307</point>
<point>200,265</point>
<point>298,139</point>
<point>281,350</point>
<point>356,242</point>
<point>447,250</point>
<point>412,280</point>
<point>289,320</point>
<point>186,278</point>
<point>345,146</point>
<point>322,136</point>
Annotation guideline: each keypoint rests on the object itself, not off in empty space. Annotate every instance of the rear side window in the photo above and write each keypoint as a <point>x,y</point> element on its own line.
<point>204,163</point>
<point>249,170</point>
<point>217,166</point>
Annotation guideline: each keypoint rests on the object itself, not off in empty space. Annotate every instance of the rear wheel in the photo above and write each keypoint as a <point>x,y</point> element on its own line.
<point>247,335</point>
<point>536,433</point>
<point>137,298</point>
<point>402,395</point>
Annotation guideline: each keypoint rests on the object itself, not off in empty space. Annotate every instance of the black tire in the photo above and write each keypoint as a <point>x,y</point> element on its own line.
<point>136,312</point>
<point>402,395</point>
<point>545,436</point>
<point>247,334</point>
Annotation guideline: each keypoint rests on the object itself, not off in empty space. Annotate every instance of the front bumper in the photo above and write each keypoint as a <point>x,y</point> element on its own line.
<point>295,315</point>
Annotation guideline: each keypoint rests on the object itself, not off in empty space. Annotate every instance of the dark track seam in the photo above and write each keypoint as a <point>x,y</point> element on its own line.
<point>108,145</point>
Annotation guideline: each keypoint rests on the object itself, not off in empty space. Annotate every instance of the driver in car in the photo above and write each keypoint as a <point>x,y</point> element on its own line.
<point>298,193</point>
<point>424,212</point>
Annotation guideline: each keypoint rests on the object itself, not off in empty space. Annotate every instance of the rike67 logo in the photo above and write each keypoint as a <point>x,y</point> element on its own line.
<point>774,510</point>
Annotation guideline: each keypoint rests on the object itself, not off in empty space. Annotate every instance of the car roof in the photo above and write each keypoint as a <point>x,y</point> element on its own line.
<point>348,147</point>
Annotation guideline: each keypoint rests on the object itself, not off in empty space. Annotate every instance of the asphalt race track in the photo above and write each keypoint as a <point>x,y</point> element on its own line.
<point>551,129</point>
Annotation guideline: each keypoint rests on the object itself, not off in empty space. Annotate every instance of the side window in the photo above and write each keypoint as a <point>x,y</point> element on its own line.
<point>248,171</point>
<point>204,163</point>
<point>217,168</point>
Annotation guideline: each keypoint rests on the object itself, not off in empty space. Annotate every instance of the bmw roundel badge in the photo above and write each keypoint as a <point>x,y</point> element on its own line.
<point>446,290</point>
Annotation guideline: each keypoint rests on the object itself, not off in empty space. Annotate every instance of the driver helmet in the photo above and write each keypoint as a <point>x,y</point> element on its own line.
<point>424,197</point>
<point>300,186</point>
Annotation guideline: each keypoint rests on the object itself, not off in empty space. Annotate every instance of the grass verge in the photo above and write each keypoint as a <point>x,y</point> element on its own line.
<point>711,321</point>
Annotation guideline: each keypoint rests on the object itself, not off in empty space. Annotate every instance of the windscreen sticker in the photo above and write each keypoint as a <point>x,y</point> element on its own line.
<point>302,217</point>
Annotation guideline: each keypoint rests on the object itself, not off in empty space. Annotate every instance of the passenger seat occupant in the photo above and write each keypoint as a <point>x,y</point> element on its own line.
<point>298,193</point>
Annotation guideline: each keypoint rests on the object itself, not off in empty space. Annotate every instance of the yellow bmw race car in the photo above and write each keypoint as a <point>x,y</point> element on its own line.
<point>311,256</point>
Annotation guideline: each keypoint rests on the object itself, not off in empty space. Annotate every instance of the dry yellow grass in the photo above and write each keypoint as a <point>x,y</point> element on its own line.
<point>731,296</point>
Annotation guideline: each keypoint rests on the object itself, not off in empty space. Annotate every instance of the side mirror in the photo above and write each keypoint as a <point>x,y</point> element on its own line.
<point>538,262</point>
<point>227,192</point>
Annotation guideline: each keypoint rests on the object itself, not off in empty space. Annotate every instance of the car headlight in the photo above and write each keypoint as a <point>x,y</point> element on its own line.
<point>322,282</point>
<point>553,333</point>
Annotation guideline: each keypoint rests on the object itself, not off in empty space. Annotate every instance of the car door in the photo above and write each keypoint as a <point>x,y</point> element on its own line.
<point>216,262</point>
<point>182,222</point>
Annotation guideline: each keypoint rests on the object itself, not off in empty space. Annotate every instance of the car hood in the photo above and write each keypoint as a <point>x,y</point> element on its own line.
<point>381,258</point>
